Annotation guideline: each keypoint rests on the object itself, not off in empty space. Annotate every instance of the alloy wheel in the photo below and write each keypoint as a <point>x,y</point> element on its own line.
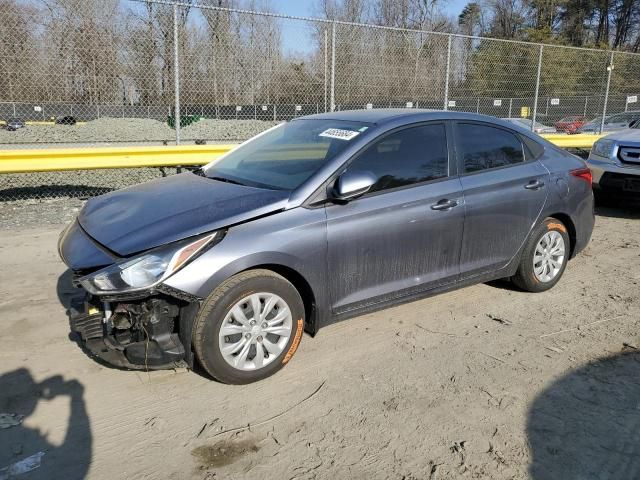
<point>548,258</point>
<point>255,331</point>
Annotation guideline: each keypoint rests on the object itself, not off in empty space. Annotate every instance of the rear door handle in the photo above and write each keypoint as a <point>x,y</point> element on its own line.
<point>444,204</point>
<point>534,185</point>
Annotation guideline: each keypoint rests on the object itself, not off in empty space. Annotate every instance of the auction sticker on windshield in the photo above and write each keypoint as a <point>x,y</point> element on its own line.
<point>339,134</point>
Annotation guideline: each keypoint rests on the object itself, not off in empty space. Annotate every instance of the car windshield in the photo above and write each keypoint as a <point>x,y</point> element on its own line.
<point>285,156</point>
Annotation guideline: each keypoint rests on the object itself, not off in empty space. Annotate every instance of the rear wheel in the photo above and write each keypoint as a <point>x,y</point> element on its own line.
<point>249,327</point>
<point>544,257</point>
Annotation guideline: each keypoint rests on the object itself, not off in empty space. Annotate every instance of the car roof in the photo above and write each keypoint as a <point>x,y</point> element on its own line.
<point>632,112</point>
<point>380,116</point>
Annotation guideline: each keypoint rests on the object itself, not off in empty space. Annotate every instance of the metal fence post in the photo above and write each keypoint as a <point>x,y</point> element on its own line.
<point>510,105</point>
<point>446,79</point>
<point>606,93</point>
<point>535,100</point>
<point>333,66</point>
<point>176,117</point>
<point>546,109</point>
<point>326,60</point>
<point>586,101</point>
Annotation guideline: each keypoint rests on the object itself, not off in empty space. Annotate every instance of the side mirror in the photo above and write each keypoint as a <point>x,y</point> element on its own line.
<point>350,184</point>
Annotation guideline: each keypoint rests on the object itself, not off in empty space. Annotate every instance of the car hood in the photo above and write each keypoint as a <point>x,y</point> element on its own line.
<point>173,208</point>
<point>626,135</point>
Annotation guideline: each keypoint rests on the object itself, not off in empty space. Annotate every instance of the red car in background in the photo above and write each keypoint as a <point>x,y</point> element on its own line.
<point>570,124</point>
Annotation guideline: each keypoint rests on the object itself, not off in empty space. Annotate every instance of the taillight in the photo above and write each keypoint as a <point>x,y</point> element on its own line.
<point>583,173</point>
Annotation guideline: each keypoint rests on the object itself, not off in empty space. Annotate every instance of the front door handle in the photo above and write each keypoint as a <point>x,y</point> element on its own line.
<point>444,204</point>
<point>534,185</point>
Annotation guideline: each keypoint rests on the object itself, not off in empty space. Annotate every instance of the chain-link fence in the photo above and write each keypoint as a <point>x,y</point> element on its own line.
<point>121,71</point>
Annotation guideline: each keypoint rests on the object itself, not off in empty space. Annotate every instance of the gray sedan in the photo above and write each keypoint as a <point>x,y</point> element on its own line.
<point>314,221</point>
<point>612,123</point>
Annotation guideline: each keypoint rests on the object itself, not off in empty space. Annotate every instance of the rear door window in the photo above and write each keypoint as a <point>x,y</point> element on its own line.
<point>483,147</point>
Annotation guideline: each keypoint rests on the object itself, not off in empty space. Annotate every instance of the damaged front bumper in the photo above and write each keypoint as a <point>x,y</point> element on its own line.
<point>144,333</point>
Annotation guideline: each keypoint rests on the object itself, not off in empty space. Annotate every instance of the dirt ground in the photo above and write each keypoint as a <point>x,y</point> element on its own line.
<point>483,382</point>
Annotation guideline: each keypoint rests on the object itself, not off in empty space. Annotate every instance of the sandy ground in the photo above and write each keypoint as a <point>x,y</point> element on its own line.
<point>484,382</point>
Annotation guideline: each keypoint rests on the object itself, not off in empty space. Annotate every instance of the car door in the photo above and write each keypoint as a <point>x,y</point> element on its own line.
<point>404,235</point>
<point>505,190</point>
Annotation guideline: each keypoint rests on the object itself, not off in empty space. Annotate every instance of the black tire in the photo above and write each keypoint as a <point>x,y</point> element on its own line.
<point>525,277</point>
<point>210,317</point>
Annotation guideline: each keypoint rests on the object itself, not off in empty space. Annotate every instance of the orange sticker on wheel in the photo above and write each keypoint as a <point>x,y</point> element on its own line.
<point>296,342</point>
<point>559,226</point>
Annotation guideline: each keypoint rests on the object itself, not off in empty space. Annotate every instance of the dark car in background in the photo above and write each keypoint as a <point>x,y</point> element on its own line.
<point>66,120</point>
<point>612,123</point>
<point>14,124</point>
<point>570,124</point>
<point>313,221</point>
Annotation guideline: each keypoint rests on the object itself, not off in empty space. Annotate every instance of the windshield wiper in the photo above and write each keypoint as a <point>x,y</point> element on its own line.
<point>227,180</point>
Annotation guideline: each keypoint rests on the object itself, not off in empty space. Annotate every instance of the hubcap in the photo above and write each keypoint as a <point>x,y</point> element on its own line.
<point>255,331</point>
<point>549,256</point>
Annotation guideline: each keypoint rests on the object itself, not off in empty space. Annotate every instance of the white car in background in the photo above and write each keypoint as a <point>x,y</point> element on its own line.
<point>526,123</point>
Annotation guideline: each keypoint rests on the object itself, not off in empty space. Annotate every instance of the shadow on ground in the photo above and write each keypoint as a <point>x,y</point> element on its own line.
<point>586,425</point>
<point>51,191</point>
<point>26,452</point>
<point>617,206</point>
<point>65,289</point>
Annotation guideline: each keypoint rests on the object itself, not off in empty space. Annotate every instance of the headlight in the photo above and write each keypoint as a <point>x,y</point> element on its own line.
<point>146,270</point>
<point>603,148</point>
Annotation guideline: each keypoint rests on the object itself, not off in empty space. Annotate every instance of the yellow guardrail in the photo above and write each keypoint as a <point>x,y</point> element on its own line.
<point>63,159</point>
<point>581,140</point>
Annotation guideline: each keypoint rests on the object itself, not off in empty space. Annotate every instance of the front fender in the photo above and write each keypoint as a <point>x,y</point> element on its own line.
<point>294,239</point>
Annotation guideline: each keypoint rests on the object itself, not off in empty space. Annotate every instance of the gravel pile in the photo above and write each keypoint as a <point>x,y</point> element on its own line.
<point>100,130</point>
<point>222,130</point>
<point>133,130</point>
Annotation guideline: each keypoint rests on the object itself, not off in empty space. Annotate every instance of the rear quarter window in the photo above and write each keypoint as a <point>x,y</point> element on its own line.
<point>532,149</point>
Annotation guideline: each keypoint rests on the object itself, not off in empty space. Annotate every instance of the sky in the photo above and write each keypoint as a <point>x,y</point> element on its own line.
<point>304,8</point>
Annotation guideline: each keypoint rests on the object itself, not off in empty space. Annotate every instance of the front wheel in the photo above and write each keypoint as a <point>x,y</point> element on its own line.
<point>544,257</point>
<point>249,327</point>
